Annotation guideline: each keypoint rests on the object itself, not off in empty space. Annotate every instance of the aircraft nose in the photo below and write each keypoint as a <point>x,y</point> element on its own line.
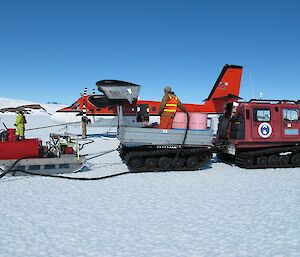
<point>63,118</point>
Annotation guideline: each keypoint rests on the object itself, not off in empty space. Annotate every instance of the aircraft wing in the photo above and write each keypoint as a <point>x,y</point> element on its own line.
<point>117,89</point>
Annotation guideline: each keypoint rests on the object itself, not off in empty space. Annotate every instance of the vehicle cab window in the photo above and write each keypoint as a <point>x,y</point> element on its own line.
<point>290,115</point>
<point>262,115</point>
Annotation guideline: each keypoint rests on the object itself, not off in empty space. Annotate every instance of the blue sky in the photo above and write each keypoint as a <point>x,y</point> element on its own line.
<point>51,50</point>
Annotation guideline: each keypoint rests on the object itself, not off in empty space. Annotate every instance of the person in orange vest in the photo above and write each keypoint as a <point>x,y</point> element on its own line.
<point>168,107</point>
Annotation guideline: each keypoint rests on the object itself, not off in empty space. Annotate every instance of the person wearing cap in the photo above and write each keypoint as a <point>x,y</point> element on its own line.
<point>20,124</point>
<point>168,108</point>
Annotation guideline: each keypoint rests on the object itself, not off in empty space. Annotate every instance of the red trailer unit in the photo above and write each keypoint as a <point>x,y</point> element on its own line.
<point>260,134</point>
<point>27,148</point>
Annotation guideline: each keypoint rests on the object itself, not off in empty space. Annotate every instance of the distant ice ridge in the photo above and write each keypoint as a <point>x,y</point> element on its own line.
<point>9,102</point>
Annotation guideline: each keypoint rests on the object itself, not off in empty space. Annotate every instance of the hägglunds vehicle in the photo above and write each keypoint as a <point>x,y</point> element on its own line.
<point>260,134</point>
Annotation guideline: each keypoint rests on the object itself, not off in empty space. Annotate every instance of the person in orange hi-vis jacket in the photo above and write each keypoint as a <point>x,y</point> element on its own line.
<point>168,107</point>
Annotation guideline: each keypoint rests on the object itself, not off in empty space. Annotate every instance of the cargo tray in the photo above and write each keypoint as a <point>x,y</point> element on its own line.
<point>134,136</point>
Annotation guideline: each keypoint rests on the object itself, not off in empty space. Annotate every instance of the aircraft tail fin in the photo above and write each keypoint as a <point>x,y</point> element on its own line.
<point>228,84</point>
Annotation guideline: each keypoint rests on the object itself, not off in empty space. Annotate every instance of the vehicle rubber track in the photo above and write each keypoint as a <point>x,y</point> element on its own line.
<point>282,157</point>
<point>165,159</point>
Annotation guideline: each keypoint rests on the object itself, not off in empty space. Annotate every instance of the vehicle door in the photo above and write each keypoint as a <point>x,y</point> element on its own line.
<point>290,123</point>
<point>262,123</point>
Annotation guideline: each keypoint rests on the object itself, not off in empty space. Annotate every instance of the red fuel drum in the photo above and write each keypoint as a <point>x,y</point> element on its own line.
<point>28,148</point>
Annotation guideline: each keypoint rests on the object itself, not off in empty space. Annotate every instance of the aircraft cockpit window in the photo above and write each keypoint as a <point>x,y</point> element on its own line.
<point>75,106</point>
<point>72,105</point>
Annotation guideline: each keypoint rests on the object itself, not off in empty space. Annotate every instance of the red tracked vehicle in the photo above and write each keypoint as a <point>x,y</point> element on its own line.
<point>260,134</point>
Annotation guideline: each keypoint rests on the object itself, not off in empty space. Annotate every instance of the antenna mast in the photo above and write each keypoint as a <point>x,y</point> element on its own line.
<point>251,85</point>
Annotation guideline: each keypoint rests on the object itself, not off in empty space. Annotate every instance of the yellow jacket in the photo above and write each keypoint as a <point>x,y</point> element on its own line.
<point>20,119</point>
<point>20,123</point>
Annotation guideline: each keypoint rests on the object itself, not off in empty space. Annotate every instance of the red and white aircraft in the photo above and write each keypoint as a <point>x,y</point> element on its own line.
<point>102,108</point>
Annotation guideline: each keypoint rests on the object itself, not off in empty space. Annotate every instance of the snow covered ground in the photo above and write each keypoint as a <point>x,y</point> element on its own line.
<point>218,211</point>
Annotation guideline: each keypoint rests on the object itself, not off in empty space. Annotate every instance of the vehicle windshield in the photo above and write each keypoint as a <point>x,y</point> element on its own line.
<point>71,105</point>
<point>74,105</point>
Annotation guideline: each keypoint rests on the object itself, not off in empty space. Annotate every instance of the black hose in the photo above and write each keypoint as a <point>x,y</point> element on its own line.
<point>184,138</point>
<point>100,154</point>
<point>13,165</point>
<point>13,171</point>
<point>187,128</point>
<point>70,178</point>
<point>87,143</point>
<point>90,179</point>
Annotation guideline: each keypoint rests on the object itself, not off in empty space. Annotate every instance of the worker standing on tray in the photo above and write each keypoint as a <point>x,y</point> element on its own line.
<point>20,124</point>
<point>168,107</point>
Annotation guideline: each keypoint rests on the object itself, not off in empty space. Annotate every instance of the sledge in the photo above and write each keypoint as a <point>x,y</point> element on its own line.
<point>22,157</point>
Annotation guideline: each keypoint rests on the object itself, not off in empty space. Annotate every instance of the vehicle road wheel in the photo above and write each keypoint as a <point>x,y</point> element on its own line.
<point>178,163</point>
<point>224,157</point>
<point>283,160</point>
<point>151,163</point>
<point>273,160</point>
<point>296,159</point>
<point>249,161</point>
<point>164,163</point>
<point>135,162</point>
<point>192,162</point>
<point>262,161</point>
